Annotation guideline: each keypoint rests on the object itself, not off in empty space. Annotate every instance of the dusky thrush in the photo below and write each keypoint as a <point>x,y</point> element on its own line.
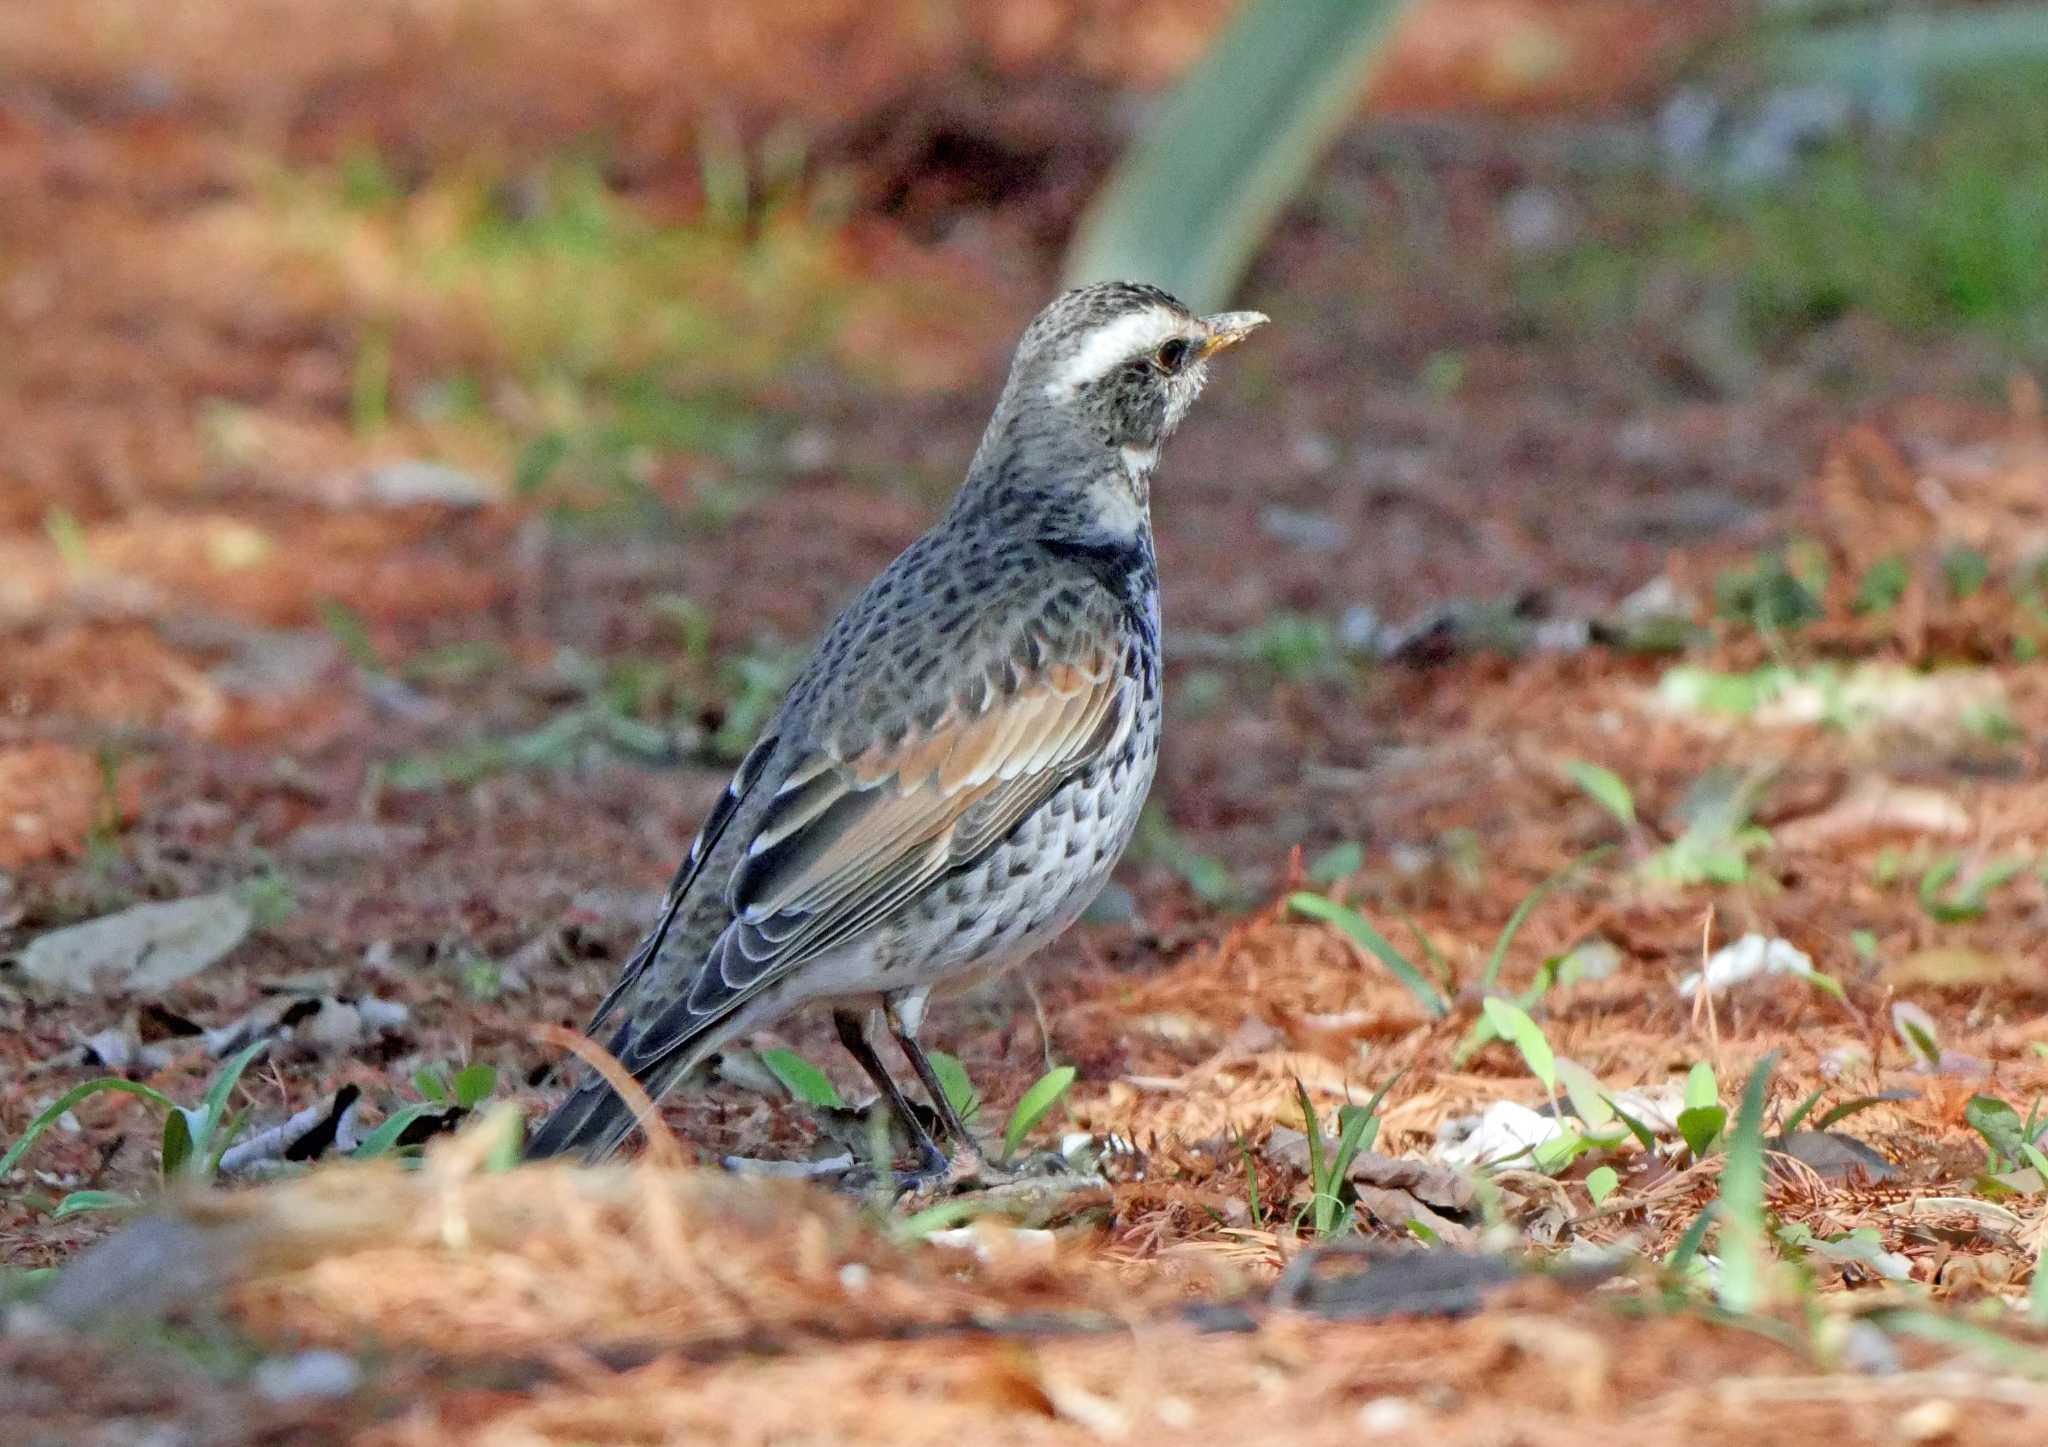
<point>959,766</point>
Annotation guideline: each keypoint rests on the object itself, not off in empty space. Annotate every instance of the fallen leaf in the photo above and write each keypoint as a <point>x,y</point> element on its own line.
<point>143,949</point>
<point>1832,1155</point>
<point>1422,1179</point>
<point>1397,1209</point>
<point>1875,806</point>
<point>1949,966</point>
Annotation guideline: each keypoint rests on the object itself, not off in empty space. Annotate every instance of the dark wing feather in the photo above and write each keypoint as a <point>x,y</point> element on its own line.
<point>714,827</point>
<point>849,838</point>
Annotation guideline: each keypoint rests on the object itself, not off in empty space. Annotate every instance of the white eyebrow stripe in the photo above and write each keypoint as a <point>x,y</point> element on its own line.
<point>1112,345</point>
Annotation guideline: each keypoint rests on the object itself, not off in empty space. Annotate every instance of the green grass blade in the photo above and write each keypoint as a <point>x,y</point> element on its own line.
<point>81,1201</point>
<point>384,1139</point>
<point>1589,1101</point>
<point>1798,1117</point>
<point>1356,1128</point>
<point>1372,1107</point>
<point>1645,1137</point>
<point>227,1138</point>
<point>1743,1251</point>
<point>1527,907</point>
<point>1193,198</point>
<point>1690,1243</point>
<point>213,1108</point>
<point>1037,1102</point>
<point>71,1098</point>
<point>1312,1129</point>
<point>1354,924</point>
<point>960,1090</point>
<point>1251,1184</point>
<point>177,1141</point>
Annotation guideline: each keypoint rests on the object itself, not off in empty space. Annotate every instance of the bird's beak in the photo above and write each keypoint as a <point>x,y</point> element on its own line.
<point>1227,329</point>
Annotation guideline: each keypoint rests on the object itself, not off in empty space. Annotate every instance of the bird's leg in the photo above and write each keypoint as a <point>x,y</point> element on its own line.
<point>906,1013</point>
<point>853,1034</point>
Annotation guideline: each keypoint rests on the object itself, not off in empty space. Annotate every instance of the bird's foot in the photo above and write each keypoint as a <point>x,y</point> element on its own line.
<point>970,1170</point>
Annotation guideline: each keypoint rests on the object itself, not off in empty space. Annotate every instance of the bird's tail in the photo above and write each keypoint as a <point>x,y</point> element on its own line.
<point>593,1120</point>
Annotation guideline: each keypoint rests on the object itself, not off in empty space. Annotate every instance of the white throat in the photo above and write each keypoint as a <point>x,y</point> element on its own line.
<point>1120,511</point>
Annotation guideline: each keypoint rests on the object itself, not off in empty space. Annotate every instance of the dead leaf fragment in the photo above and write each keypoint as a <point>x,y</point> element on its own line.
<point>1873,807</point>
<point>143,949</point>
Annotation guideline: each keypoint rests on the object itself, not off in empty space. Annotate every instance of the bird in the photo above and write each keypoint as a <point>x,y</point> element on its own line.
<point>952,776</point>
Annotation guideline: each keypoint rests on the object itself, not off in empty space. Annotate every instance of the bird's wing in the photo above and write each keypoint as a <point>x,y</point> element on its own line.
<point>715,823</point>
<point>858,826</point>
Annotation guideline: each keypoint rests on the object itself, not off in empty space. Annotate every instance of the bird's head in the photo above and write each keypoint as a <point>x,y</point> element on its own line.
<point>1121,360</point>
<point>1101,378</point>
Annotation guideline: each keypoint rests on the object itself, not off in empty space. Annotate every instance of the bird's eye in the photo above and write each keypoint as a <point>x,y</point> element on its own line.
<point>1172,356</point>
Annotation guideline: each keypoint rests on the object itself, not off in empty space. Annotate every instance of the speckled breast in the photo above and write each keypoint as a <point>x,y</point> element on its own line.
<point>1039,879</point>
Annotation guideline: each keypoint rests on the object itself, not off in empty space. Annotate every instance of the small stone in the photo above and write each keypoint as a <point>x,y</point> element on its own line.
<point>1535,221</point>
<point>1383,1416</point>
<point>1931,1421</point>
<point>1313,452</point>
<point>144,949</point>
<point>1360,629</point>
<point>310,1375</point>
<point>350,840</point>
<point>401,483</point>
<point>1866,1349</point>
<point>809,449</point>
<point>1114,906</point>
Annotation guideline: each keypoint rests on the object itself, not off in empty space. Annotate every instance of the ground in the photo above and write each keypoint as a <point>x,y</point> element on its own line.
<point>1706,564</point>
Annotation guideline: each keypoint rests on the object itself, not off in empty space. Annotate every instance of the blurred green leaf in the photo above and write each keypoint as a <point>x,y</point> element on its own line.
<point>1700,1086</point>
<point>1600,1183</point>
<point>1336,862</point>
<point>803,1080</point>
<point>177,1141</point>
<point>1998,1123</point>
<point>1514,1023</point>
<point>1354,924</point>
<point>1882,586</point>
<point>474,1084</point>
<point>1037,1102</point>
<point>52,1112</point>
<point>1527,907</point>
<point>1192,200</point>
<point>966,1100</point>
<point>79,1201</point>
<point>1743,1250</point>
<point>1606,788</point>
<point>1582,1087</point>
<point>384,1139</point>
<point>1701,1125</point>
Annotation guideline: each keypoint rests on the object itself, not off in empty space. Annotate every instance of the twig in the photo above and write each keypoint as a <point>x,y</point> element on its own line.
<point>663,1149</point>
